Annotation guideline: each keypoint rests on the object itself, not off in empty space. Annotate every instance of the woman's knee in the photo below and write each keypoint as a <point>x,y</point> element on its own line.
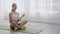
<point>13,24</point>
<point>25,21</point>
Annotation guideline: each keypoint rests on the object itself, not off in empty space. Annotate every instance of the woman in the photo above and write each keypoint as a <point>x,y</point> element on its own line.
<point>14,18</point>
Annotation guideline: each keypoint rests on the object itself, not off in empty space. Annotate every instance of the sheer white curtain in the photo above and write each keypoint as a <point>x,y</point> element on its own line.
<point>44,10</point>
<point>49,9</point>
<point>41,8</point>
<point>1,10</point>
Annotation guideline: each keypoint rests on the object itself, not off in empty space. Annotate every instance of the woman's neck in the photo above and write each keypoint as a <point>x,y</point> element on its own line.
<point>13,11</point>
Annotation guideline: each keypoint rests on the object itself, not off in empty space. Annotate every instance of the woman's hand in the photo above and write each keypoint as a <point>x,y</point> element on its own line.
<point>23,14</point>
<point>22,17</point>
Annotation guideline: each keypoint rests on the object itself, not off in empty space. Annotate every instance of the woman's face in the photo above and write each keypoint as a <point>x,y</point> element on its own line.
<point>14,7</point>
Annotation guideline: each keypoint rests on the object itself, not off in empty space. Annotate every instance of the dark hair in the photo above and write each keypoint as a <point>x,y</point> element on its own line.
<point>13,4</point>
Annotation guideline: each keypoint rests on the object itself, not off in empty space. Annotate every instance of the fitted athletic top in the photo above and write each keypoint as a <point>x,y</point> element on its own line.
<point>15,15</point>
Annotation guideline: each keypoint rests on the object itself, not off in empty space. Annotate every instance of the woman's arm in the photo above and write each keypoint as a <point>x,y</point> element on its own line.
<point>10,17</point>
<point>21,17</point>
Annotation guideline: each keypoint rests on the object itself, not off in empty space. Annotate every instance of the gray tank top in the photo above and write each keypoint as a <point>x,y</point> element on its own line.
<point>15,15</point>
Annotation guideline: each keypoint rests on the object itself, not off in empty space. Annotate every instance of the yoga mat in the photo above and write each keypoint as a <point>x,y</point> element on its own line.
<point>27,30</point>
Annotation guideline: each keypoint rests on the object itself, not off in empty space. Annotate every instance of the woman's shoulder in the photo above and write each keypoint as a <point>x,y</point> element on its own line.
<point>10,13</point>
<point>17,12</point>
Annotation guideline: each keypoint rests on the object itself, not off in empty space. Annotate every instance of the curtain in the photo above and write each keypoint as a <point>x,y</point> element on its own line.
<point>41,8</point>
<point>46,9</point>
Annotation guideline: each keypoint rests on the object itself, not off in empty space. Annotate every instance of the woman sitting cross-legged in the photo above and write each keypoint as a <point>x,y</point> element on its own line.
<point>14,18</point>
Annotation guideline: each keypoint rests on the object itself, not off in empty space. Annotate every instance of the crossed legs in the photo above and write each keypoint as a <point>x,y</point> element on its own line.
<point>15,25</point>
<point>22,23</point>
